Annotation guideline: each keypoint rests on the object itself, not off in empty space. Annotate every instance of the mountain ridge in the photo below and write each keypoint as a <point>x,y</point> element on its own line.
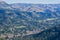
<point>27,19</point>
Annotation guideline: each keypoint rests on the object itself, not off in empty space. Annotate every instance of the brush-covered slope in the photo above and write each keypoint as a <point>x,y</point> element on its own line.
<point>20,20</point>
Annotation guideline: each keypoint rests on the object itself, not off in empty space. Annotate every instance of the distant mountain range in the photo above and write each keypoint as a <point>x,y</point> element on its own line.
<point>33,21</point>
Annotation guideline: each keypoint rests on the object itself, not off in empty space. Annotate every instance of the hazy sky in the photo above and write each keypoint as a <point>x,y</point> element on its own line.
<point>34,1</point>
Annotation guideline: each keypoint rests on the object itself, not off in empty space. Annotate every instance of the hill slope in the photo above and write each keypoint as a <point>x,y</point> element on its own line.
<point>20,20</point>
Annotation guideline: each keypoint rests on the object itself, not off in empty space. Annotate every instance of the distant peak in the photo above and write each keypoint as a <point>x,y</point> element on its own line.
<point>2,2</point>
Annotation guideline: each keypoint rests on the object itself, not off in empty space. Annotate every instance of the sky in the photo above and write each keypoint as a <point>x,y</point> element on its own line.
<point>34,1</point>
